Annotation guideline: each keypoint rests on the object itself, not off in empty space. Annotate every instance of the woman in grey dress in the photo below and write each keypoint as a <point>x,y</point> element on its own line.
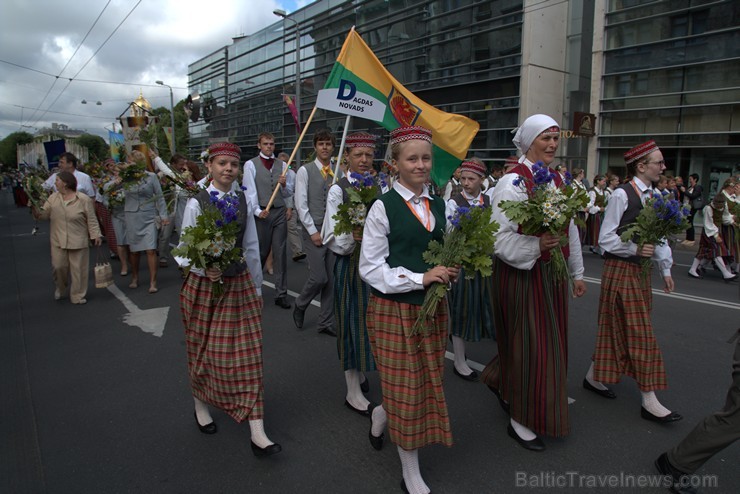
<point>145,212</point>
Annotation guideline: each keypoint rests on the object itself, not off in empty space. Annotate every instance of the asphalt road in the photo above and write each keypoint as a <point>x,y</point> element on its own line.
<point>90,403</point>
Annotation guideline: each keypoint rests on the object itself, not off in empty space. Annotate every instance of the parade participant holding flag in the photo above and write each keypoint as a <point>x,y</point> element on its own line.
<point>350,292</point>
<point>529,375</point>
<point>397,231</point>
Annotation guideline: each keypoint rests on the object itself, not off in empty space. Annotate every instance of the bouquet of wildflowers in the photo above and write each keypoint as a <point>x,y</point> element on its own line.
<point>132,174</point>
<point>183,180</point>
<point>547,209</point>
<point>115,195</point>
<point>211,242</point>
<point>32,180</point>
<point>468,244</point>
<point>659,218</point>
<point>351,215</point>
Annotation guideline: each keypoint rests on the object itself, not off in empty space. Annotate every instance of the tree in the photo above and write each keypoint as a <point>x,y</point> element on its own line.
<point>8,146</point>
<point>154,134</point>
<point>96,146</point>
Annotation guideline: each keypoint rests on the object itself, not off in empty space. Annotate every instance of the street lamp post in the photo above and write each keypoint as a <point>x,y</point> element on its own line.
<point>284,15</point>
<point>172,116</point>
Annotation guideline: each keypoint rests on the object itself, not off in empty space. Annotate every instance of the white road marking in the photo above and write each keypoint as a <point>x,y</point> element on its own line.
<point>148,320</point>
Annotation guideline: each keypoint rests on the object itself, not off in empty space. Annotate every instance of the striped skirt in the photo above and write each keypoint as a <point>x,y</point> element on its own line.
<point>471,308</point>
<point>581,225</point>
<point>530,311</point>
<point>350,310</point>
<point>730,239</point>
<point>106,224</point>
<point>224,344</point>
<point>593,226</point>
<point>625,344</point>
<point>411,370</point>
<point>709,248</point>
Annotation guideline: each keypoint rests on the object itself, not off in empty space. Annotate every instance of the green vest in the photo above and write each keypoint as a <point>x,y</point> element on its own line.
<point>408,240</point>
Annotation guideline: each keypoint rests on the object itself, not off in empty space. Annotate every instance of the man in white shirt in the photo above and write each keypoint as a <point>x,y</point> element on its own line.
<point>68,163</point>
<point>261,175</point>
<point>312,184</point>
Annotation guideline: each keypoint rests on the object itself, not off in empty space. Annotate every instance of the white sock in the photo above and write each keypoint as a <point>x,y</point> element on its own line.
<point>522,431</point>
<point>379,420</point>
<point>259,437</point>
<point>651,404</point>
<point>201,412</point>
<point>694,267</point>
<point>590,379</point>
<point>721,265</point>
<point>411,473</point>
<point>461,364</point>
<point>354,392</point>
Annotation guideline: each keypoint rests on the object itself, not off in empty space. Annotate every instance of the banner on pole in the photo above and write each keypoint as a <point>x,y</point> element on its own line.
<point>364,85</point>
<point>54,149</point>
<point>117,146</point>
<point>293,111</point>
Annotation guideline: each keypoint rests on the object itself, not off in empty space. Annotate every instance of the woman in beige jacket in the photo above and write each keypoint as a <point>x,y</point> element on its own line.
<point>73,226</point>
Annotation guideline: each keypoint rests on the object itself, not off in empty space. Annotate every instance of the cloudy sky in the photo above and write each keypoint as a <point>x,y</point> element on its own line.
<point>157,41</point>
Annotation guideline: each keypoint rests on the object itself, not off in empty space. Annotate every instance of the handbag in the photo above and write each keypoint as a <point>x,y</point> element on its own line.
<point>103,272</point>
<point>697,203</point>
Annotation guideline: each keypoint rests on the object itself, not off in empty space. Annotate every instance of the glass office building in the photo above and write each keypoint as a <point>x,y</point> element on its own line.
<point>671,71</point>
<point>668,70</point>
<point>462,56</point>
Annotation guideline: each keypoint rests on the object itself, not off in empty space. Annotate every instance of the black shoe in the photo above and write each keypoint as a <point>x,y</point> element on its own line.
<point>365,386</point>
<point>298,315</point>
<point>299,257</point>
<point>671,417</point>
<point>281,302</point>
<point>328,331</point>
<point>535,444</point>
<point>403,486</point>
<point>504,405</point>
<point>272,449</point>
<point>375,442</point>
<point>730,279</point>
<point>472,377</point>
<point>206,429</point>
<point>364,413</point>
<point>606,393</point>
<point>681,481</point>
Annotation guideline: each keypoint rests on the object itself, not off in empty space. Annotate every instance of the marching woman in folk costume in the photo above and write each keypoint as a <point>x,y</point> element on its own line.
<point>729,223</point>
<point>712,244</point>
<point>471,312</point>
<point>397,231</point>
<point>350,292</point>
<point>626,344</point>
<point>530,305</point>
<point>223,334</point>
<point>596,205</point>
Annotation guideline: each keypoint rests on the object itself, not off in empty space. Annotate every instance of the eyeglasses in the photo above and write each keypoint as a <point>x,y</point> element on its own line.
<point>660,163</point>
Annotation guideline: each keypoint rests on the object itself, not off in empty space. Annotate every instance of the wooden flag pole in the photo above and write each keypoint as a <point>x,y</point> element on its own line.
<point>290,160</point>
<point>341,148</point>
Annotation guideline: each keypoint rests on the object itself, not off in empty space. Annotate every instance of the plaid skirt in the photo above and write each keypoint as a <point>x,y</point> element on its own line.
<point>411,370</point>
<point>530,310</point>
<point>731,240</point>
<point>471,310</point>
<point>593,226</point>
<point>224,344</point>
<point>625,344</point>
<point>709,248</point>
<point>350,310</point>
<point>106,224</point>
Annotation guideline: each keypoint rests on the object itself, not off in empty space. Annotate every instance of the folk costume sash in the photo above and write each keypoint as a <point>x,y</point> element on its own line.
<point>524,171</point>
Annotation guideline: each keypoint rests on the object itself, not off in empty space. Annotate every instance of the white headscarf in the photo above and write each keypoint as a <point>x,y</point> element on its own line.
<point>530,129</point>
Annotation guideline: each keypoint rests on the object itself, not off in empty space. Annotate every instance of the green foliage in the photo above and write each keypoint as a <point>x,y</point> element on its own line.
<point>8,146</point>
<point>96,147</point>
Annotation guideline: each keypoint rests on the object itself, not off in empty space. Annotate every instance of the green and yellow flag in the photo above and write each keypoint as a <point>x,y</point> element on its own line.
<point>360,85</point>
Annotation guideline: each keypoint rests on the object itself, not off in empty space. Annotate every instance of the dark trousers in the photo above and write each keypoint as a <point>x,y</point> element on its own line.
<point>690,235</point>
<point>320,281</point>
<point>715,432</point>
<point>272,233</point>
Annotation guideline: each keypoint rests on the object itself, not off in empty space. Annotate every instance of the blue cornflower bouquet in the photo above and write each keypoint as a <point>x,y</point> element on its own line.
<point>211,242</point>
<point>659,218</point>
<point>350,216</point>
<point>468,243</point>
<point>547,209</point>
